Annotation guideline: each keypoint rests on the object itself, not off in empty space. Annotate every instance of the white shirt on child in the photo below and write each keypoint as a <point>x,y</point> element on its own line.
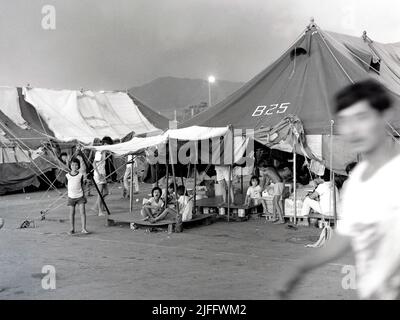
<point>254,192</point>
<point>152,202</point>
<point>74,185</point>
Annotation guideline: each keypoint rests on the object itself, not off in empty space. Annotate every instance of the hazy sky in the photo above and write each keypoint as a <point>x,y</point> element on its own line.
<point>117,44</point>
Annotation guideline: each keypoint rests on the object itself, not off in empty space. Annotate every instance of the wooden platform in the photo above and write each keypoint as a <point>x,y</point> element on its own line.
<point>135,222</point>
<point>307,220</point>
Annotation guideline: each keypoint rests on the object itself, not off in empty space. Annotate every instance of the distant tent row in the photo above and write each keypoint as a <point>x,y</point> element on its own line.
<point>302,83</point>
<point>30,117</point>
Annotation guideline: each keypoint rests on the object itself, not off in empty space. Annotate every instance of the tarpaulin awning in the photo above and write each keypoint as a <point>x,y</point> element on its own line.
<point>215,153</point>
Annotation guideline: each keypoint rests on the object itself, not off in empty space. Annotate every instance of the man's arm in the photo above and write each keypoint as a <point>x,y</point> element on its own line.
<point>337,246</point>
<point>313,195</point>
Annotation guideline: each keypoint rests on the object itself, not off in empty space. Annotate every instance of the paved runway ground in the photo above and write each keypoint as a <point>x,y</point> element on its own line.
<point>236,260</point>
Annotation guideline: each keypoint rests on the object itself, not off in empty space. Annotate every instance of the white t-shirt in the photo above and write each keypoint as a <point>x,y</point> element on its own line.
<point>254,192</point>
<point>74,185</point>
<point>325,193</point>
<point>222,172</point>
<point>185,207</point>
<point>371,217</point>
<point>152,202</point>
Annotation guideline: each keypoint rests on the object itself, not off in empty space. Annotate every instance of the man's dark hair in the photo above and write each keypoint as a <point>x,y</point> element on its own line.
<point>180,190</point>
<point>154,189</point>
<point>350,167</point>
<point>370,90</point>
<point>75,160</point>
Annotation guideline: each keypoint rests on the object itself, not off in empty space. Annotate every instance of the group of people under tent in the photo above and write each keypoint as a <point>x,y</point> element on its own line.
<point>267,180</point>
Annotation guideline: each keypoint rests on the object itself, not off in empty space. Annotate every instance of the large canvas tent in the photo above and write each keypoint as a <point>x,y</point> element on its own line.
<point>302,83</point>
<point>30,117</point>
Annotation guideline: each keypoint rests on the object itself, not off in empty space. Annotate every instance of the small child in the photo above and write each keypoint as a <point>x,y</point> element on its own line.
<point>169,198</point>
<point>154,206</point>
<point>254,192</point>
<point>76,195</point>
<point>278,187</point>
<point>185,205</point>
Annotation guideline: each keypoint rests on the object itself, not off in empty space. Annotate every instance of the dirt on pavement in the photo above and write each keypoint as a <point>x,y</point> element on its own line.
<point>223,261</point>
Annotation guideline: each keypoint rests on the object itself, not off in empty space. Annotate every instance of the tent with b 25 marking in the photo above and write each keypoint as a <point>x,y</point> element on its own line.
<point>302,83</point>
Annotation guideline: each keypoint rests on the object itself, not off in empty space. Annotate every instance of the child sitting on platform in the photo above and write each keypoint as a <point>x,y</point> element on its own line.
<point>254,194</point>
<point>154,206</point>
<point>169,198</point>
<point>185,208</point>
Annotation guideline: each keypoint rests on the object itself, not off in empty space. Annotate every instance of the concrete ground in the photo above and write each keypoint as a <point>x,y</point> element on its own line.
<point>236,260</point>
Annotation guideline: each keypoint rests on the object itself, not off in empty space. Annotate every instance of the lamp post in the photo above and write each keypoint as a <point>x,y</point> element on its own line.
<point>211,79</point>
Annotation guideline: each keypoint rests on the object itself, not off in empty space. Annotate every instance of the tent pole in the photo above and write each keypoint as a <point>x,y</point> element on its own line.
<point>195,182</point>
<point>294,183</point>
<point>166,181</point>
<point>332,176</point>
<point>157,174</point>
<point>178,220</point>
<point>241,180</point>
<point>97,188</point>
<point>131,189</point>
<point>195,177</point>
<point>230,173</point>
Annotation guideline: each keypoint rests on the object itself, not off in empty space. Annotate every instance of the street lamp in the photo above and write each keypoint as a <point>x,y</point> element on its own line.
<point>211,79</point>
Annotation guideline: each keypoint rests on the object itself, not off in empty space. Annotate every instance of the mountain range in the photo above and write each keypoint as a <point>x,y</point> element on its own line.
<point>167,94</point>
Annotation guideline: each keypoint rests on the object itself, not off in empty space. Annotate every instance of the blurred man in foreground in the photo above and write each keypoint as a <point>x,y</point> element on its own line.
<point>370,223</point>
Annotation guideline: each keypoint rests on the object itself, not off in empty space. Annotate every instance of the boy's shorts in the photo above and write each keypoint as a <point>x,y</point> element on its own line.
<point>278,188</point>
<point>72,202</point>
